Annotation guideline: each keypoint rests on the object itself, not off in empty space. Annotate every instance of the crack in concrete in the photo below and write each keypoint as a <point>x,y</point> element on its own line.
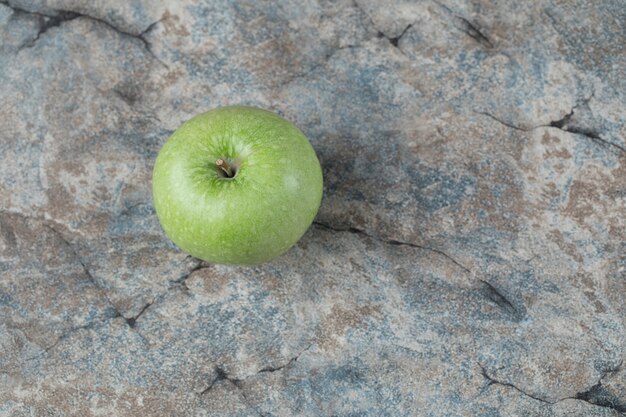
<point>67,334</point>
<point>600,396</point>
<point>596,395</point>
<point>46,22</point>
<point>473,32</point>
<point>133,320</point>
<point>494,381</point>
<point>183,279</point>
<point>395,40</point>
<point>221,375</point>
<point>289,363</point>
<point>129,320</point>
<point>502,122</point>
<point>60,16</point>
<point>470,29</point>
<point>147,43</point>
<point>86,270</point>
<point>334,49</point>
<point>392,242</point>
<point>497,297</point>
<point>561,124</point>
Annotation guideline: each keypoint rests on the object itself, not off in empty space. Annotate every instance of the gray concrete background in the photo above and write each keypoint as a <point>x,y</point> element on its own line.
<point>468,258</point>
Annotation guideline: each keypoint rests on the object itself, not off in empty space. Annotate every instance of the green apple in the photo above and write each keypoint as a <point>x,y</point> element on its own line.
<point>236,185</point>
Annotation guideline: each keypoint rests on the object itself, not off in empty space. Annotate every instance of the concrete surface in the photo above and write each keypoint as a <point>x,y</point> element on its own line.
<point>469,257</point>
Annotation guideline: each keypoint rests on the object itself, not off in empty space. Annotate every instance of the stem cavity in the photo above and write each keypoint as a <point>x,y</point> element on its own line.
<point>226,169</point>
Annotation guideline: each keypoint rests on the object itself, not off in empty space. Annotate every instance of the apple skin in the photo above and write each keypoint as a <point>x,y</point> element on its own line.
<point>252,217</point>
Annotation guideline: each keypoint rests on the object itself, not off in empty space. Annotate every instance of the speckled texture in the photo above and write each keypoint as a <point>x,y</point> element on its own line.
<point>468,259</point>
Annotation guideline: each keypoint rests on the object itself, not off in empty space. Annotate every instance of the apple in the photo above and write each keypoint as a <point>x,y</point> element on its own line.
<point>236,185</point>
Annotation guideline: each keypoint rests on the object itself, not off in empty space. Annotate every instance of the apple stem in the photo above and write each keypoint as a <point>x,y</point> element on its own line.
<point>225,167</point>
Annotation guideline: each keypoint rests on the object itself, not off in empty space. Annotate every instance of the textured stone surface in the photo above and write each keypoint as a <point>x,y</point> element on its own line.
<point>469,257</point>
